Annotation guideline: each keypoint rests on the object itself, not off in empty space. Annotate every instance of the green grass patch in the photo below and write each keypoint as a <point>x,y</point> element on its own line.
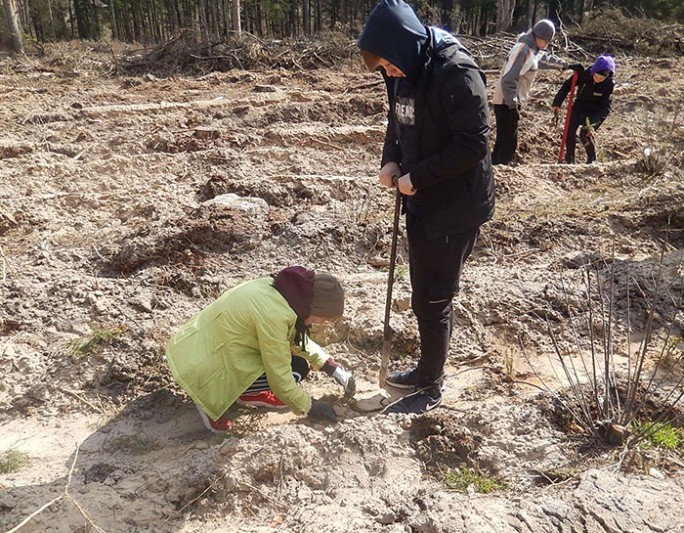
<point>12,460</point>
<point>661,435</point>
<point>463,478</point>
<point>96,340</point>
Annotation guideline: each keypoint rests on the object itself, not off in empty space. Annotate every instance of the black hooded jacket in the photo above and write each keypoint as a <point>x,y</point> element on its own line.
<point>452,171</point>
<point>592,99</point>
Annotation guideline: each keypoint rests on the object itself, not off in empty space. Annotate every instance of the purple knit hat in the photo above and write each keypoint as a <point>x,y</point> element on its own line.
<point>603,63</point>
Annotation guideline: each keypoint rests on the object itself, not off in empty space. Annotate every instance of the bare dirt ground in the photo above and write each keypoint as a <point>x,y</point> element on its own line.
<point>108,245</point>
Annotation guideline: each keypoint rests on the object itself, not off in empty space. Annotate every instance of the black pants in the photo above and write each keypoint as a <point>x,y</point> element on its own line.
<point>435,269</point>
<point>300,369</point>
<point>578,119</point>
<point>506,134</point>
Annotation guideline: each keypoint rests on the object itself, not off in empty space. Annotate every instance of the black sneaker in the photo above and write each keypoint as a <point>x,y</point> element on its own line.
<point>407,379</point>
<point>419,402</point>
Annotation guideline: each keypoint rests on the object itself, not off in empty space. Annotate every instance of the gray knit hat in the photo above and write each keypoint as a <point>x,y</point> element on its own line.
<point>328,297</point>
<point>544,29</point>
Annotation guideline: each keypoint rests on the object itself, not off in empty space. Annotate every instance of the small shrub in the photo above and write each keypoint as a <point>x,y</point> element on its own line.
<point>12,460</point>
<point>94,342</point>
<point>460,480</point>
<point>401,272</point>
<point>651,161</point>
<point>660,435</point>
<point>673,351</point>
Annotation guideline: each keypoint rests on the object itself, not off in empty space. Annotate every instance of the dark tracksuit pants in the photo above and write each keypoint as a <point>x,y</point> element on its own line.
<point>300,369</point>
<point>506,134</point>
<point>578,118</point>
<point>435,270</point>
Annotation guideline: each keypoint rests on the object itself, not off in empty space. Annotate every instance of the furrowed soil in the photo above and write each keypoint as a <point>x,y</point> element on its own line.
<point>112,235</point>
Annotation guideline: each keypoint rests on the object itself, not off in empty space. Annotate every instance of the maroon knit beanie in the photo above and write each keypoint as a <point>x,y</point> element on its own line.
<point>296,285</point>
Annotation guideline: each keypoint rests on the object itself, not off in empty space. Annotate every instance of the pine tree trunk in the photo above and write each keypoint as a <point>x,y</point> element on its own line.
<point>112,16</point>
<point>96,22</point>
<point>237,24</point>
<point>504,14</point>
<point>531,12</point>
<point>126,18</point>
<point>13,24</point>
<point>71,21</point>
<point>306,17</point>
<point>226,7</point>
<point>203,20</point>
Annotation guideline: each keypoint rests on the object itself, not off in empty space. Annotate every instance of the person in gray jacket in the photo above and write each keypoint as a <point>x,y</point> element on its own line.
<point>513,88</point>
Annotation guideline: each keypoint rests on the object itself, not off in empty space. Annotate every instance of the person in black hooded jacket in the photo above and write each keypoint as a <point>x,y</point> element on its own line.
<point>436,153</point>
<point>591,106</point>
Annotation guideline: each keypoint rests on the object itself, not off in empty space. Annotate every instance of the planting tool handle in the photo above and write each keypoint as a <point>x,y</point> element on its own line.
<point>571,97</point>
<point>387,331</point>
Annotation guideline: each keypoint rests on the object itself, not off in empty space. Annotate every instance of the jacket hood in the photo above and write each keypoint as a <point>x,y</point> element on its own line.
<point>393,32</point>
<point>442,39</point>
<point>528,39</point>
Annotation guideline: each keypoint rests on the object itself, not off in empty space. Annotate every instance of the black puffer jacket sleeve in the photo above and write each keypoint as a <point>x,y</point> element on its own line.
<point>562,93</point>
<point>391,150</point>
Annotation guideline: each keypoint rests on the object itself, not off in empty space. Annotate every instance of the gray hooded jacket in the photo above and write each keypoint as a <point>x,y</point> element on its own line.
<point>524,59</point>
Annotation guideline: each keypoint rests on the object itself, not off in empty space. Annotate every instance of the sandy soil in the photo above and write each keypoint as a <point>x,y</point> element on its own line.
<point>106,233</point>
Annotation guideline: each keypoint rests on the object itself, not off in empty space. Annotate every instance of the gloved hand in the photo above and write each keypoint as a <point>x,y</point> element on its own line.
<point>346,379</point>
<point>515,112</point>
<point>322,412</point>
<point>341,375</point>
<point>577,67</point>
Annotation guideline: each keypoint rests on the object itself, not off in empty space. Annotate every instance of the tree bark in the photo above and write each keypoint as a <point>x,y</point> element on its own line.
<point>306,17</point>
<point>112,15</point>
<point>531,12</point>
<point>504,14</point>
<point>237,24</point>
<point>13,24</point>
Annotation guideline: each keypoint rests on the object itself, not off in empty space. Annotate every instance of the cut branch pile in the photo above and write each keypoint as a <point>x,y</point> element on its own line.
<point>185,53</point>
<point>614,32</point>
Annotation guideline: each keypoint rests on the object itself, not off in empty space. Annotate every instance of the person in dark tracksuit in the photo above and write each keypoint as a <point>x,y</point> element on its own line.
<point>436,153</point>
<point>590,108</point>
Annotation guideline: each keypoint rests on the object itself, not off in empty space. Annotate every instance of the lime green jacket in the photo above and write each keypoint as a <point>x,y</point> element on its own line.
<point>247,331</point>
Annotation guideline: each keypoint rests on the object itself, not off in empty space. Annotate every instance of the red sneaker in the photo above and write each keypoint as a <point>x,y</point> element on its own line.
<point>262,399</point>
<point>222,425</point>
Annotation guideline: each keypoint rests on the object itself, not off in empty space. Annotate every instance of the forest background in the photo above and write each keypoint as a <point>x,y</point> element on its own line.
<point>31,23</point>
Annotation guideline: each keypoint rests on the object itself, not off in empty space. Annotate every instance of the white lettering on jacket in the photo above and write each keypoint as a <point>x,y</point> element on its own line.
<point>404,110</point>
